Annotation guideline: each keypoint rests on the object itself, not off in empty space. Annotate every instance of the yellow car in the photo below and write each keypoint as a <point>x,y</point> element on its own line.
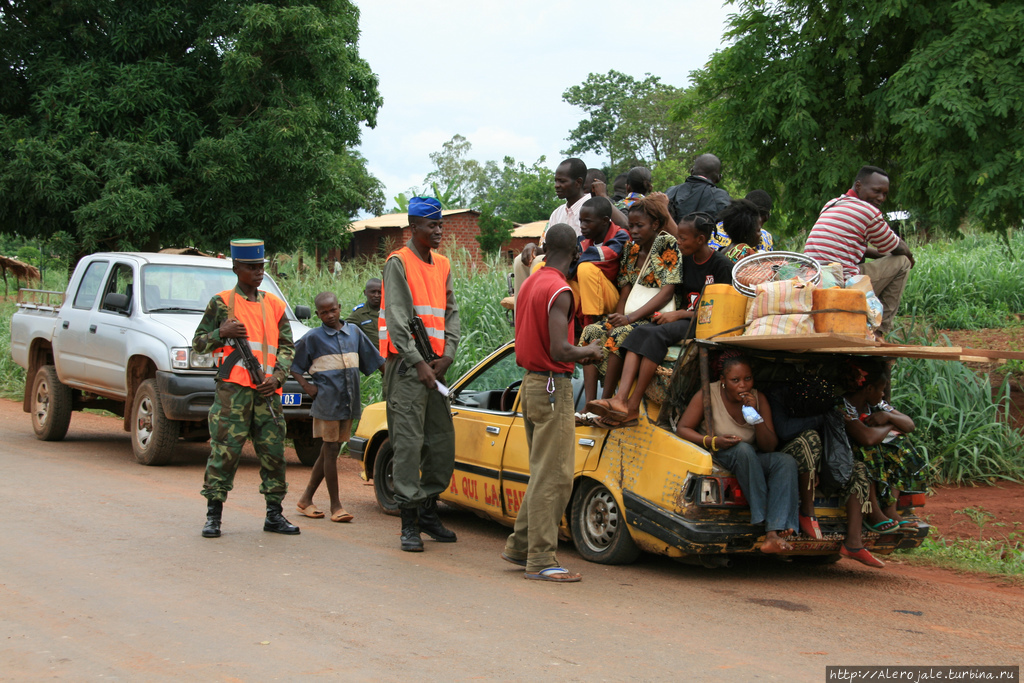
<point>638,488</point>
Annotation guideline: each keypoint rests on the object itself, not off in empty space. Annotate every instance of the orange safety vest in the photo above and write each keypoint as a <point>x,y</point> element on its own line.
<point>260,320</point>
<point>428,283</point>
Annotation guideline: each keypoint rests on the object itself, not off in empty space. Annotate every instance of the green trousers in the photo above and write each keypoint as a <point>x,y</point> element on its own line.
<point>422,436</point>
<point>239,413</point>
<point>550,433</point>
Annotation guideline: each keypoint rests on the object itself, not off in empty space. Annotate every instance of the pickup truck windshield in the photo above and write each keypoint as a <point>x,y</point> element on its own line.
<point>186,288</point>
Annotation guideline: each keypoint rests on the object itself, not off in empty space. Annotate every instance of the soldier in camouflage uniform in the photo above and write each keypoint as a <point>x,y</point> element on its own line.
<point>365,315</point>
<point>240,409</point>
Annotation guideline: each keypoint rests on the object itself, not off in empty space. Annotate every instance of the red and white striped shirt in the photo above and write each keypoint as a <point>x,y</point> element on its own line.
<point>843,231</point>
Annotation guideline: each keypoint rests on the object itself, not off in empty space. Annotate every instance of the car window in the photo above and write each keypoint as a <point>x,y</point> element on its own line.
<point>188,288</point>
<point>119,282</point>
<point>484,391</point>
<point>85,297</point>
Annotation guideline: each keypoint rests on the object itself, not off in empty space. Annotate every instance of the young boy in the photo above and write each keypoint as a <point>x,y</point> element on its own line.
<point>333,354</point>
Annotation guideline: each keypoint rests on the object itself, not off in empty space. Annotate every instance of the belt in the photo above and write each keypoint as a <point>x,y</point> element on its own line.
<point>565,375</point>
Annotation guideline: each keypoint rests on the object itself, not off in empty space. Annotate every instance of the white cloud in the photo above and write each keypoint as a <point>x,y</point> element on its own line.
<point>495,72</point>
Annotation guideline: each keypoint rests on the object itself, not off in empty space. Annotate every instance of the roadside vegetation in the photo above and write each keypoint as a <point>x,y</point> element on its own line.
<point>985,554</point>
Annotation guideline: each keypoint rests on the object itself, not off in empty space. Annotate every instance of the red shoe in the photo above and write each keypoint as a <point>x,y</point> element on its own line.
<point>809,527</point>
<point>861,555</point>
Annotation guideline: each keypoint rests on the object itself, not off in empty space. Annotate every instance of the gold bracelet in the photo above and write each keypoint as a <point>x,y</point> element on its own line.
<point>704,441</point>
<point>713,439</point>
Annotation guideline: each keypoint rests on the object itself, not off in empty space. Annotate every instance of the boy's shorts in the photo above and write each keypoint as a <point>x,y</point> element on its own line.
<point>332,431</point>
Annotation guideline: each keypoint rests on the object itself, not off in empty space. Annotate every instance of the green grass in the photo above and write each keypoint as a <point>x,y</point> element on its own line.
<point>968,283</point>
<point>998,556</point>
<point>961,425</point>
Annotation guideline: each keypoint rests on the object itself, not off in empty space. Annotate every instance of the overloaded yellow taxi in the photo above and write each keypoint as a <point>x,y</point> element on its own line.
<point>640,488</point>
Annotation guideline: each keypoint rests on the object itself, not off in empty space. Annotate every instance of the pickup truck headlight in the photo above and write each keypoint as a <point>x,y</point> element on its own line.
<point>183,358</point>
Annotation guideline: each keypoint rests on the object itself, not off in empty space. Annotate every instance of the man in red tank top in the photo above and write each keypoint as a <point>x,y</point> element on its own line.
<point>545,349</point>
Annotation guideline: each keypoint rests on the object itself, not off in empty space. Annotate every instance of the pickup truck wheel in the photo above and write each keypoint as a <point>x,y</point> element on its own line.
<point>153,435</point>
<point>384,479</point>
<point>51,405</point>
<point>599,526</point>
<point>306,446</point>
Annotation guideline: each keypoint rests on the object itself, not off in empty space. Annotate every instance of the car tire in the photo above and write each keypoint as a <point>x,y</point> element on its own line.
<point>154,436</point>
<point>384,479</point>
<point>307,447</point>
<point>598,526</point>
<point>51,405</point>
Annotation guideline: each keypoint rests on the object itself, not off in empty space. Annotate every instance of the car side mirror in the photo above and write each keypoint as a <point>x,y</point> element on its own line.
<point>303,313</point>
<point>119,303</point>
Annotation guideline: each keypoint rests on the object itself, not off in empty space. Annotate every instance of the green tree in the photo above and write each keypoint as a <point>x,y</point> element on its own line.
<point>494,230</point>
<point>454,171</point>
<point>519,192</point>
<point>629,121</point>
<point>808,92</point>
<point>134,125</point>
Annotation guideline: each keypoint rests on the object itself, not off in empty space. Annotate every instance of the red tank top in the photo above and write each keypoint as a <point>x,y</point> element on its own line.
<point>533,338</point>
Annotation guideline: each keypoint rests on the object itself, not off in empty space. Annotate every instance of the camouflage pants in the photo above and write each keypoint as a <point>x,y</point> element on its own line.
<point>238,413</point>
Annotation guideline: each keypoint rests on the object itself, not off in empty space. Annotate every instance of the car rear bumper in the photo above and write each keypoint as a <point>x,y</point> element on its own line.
<point>718,537</point>
<point>189,397</point>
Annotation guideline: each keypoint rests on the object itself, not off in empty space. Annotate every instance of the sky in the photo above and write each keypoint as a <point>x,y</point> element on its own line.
<point>495,72</point>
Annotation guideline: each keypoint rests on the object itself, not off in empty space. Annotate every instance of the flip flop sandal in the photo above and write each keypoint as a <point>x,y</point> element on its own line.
<point>861,555</point>
<point>809,527</point>
<point>599,406</point>
<point>342,516</point>
<point>310,511</point>
<point>909,525</point>
<point>508,558</point>
<point>554,574</point>
<point>887,526</point>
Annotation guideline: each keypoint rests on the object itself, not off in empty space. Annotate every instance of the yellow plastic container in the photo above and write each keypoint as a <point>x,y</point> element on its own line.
<point>851,324</point>
<point>721,308</point>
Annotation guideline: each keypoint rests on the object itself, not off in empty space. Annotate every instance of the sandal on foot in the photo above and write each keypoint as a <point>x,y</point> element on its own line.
<point>861,555</point>
<point>508,558</point>
<point>555,574</point>
<point>909,525</point>
<point>887,526</point>
<point>599,406</point>
<point>809,527</point>
<point>310,511</point>
<point>342,516</point>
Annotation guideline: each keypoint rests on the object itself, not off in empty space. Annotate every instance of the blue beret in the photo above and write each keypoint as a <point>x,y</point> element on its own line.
<point>247,251</point>
<point>428,207</point>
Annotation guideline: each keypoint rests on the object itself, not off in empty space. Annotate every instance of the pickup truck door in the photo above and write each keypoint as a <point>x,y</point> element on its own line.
<point>108,332</point>
<point>71,336</point>
<point>481,429</point>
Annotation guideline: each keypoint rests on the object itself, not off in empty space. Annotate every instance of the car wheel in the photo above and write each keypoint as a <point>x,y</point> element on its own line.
<point>51,405</point>
<point>384,478</point>
<point>153,435</point>
<point>599,526</point>
<point>306,446</point>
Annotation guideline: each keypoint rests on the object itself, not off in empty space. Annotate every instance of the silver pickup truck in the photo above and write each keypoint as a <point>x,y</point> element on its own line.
<point>120,340</point>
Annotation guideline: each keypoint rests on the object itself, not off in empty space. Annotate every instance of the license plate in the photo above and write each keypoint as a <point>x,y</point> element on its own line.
<point>291,399</point>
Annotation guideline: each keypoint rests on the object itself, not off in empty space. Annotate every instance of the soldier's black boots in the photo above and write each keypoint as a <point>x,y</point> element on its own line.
<point>430,523</point>
<point>276,522</point>
<point>411,541</point>
<point>212,527</point>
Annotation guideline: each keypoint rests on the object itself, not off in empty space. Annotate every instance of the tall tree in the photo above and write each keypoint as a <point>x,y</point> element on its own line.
<point>629,121</point>
<point>133,125</point>
<point>455,174</point>
<point>809,91</point>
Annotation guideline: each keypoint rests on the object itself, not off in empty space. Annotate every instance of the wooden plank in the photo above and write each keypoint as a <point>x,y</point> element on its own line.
<point>798,342</point>
<point>705,383</point>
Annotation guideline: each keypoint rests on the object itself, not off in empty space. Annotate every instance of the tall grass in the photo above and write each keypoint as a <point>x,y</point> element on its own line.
<point>961,423</point>
<point>969,283</point>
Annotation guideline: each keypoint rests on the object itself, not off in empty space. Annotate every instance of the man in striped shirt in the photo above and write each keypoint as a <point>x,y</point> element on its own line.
<point>851,228</point>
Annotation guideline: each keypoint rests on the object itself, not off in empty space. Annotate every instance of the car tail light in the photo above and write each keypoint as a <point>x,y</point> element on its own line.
<point>733,493</point>
<point>720,491</point>
<point>911,500</point>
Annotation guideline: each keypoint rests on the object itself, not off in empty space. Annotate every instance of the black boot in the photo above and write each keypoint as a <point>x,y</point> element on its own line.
<point>411,541</point>
<point>276,522</point>
<point>431,525</point>
<point>212,527</point>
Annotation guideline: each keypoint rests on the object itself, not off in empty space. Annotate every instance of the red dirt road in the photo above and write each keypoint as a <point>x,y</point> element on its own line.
<point>103,574</point>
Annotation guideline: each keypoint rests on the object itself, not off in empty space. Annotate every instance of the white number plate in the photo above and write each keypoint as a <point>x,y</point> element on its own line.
<point>291,399</point>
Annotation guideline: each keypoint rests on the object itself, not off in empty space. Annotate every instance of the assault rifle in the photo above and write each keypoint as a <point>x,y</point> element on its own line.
<point>256,373</point>
<point>422,339</point>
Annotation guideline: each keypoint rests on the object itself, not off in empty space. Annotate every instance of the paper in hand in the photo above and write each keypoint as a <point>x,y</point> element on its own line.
<point>442,389</point>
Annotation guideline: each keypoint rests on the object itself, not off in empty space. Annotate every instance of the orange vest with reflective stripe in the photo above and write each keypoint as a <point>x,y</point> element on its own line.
<point>428,283</point>
<point>260,320</point>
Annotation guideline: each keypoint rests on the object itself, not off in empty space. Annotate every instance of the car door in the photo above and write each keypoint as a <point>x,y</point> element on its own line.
<point>71,338</point>
<point>482,412</point>
<point>108,330</point>
<point>515,464</point>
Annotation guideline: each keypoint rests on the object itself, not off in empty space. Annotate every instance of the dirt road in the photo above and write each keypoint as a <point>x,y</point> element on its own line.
<point>103,574</point>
